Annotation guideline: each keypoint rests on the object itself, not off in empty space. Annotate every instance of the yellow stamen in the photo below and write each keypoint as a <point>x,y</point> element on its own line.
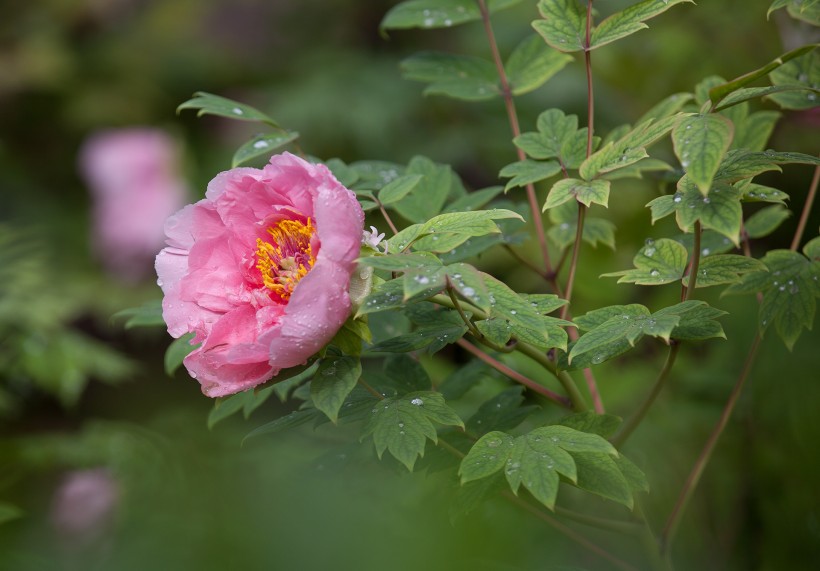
<point>287,258</point>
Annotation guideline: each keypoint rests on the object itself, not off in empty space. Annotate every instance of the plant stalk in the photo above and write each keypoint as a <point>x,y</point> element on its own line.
<point>804,216</point>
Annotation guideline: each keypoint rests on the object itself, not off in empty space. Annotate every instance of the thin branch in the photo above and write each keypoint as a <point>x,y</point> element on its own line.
<point>635,420</point>
<point>804,217</point>
<point>514,375</point>
<point>386,215</point>
<point>694,263</point>
<point>370,389</point>
<point>578,402</point>
<point>512,115</point>
<point>573,265</point>
<point>470,325</point>
<point>697,470</point>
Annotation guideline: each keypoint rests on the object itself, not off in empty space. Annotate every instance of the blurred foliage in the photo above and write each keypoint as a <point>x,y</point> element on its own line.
<point>194,499</point>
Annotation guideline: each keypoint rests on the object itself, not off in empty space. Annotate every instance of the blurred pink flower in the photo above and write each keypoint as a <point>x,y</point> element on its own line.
<point>260,270</point>
<point>84,505</point>
<point>134,180</point>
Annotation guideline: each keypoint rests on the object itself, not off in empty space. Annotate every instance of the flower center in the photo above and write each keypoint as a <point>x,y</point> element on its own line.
<point>287,257</point>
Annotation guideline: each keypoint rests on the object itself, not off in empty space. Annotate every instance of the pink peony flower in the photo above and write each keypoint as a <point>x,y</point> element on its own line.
<point>259,270</point>
<point>132,174</point>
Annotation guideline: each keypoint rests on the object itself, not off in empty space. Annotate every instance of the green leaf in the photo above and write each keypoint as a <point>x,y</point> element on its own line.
<point>598,317</point>
<point>430,193</point>
<point>461,77</point>
<point>177,351</point>
<point>758,193</point>
<point>487,456</point>
<point>532,63</point>
<point>812,249</point>
<point>634,476</point>
<point>209,104</point>
<point>335,378</point>
<point>287,383</point>
<point>420,338</point>
<point>803,70</point>
<point>475,223</point>
<point>543,303</point>
<point>474,200</point>
<point>388,295</point>
<point>496,330</point>
<point>629,21</point>
<point>256,399</point>
<point>663,206</point>
<point>700,142</point>
<point>262,145</point>
<point>373,175</point>
<point>565,218</point>
<point>562,26</point>
<point>599,473</point>
<point>765,221</point>
<point>723,269</point>
<point>402,375</point>
<point>658,262</point>
<point>719,211</point>
<point>806,10</point>
<point>604,425</point>
<point>426,281</point>
<point>502,412</point>
<point>617,335</point>
<point>345,174</point>
<point>398,188</point>
<point>431,14</point>
<point>147,315</point>
<point>697,320</point>
<point>227,406</point>
<point>749,93</point>
<point>401,262</point>
<point>718,93</point>
<point>292,420</point>
<point>636,170</point>
<point>528,172</point>
<point>558,137</point>
<point>754,131</point>
<point>789,290</point>
<point>463,378</point>
<point>469,282</point>
<point>402,425</point>
<point>583,191</point>
<point>507,305</point>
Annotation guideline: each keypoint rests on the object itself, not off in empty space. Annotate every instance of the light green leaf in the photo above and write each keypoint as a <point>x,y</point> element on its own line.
<point>700,142</point>
<point>636,170</point>
<point>617,335</point>
<point>528,172</point>
<point>398,188</point>
<point>604,425</point>
<point>629,21</point>
<point>331,385</point>
<point>749,93</point>
<point>765,221</point>
<point>429,14</point>
<point>401,262</point>
<point>719,211</point>
<point>496,330</point>
<point>388,295</point>
<point>583,191</point>
<point>663,206</point>
<point>789,290</point>
<point>373,175</point>
<point>402,425</point>
<point>803,70</point>
<point>557,137</point>
<point>261,145</point>
<point>758,193</point>
<point>598,317</point>
<point>562,26</point>
<point>599,473</point>
<point>475,223</point>
<point>754,131</point>
<point>426,280</point>
<point>430,193</point>
<point>209,104</point>
<point>461,77</point>
<point>507,305</point>
<point>658,262</point>
<point>543,303</point>
<point>177,351</point>
<point>697,320</point>
<point>532,63</point>
<point>487,456</point>
<point>723,269</point>
<point>469,282</point>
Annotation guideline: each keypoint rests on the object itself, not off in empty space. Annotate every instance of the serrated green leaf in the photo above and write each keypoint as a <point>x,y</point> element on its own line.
<point>147,315</point>
<point>373,175</point>
<point>487,456</point>
<point>765,221</point>
<point>719,211</point>
<point>261,145</point>
<point>461,77</point>
<point>617,335</point>
<point>754,131</point>
<point>528,172</point>
<point>586,192</point>
<point>723,269</point>
<point>496,330</point>
<point>803,70</point>
<point>502,412</point>
<point>629,21</point>
<point>700,143</point>
<point>507,305</point>
<point>598,473</point>
<point>562,25</point>
<point>554,130</point>
<point>420,338</point>
<point>812,249</point>
<point>697,320</point>
<point>634,476</point>
<point>475,223</point>
<point>663,206</point>
<point>388,295</point>
<point>532,63</point>
<point>600,316</point>
<point>658,262</point>
<point>740,164</point>
<point>429,14</point>
<point>749,93</point>
<point>426,280</point>
<point>402,375</point>
<point>177,351</point>
<point>636,170</point>
<point>753,192</point>
<point>210,104</point>
<point>333,381</point>
<point>543,303</point>
<point>789,290</point>
<point>469,282</point>
<point>596,230</point>
<point>572,440</point>
<point>402,425</point>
